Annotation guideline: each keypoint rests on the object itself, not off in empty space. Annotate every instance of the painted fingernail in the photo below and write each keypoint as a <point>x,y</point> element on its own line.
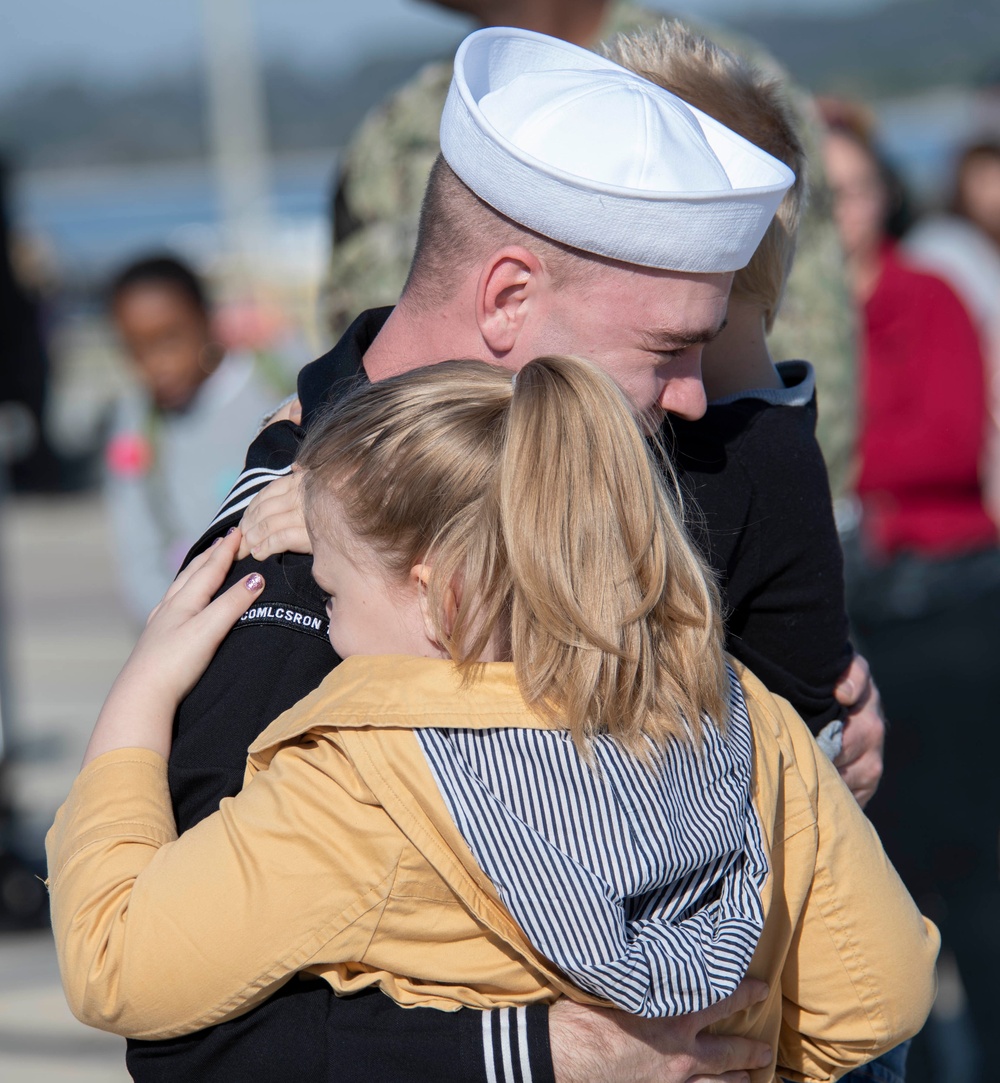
<point>254,582</point>
<point>231,530</point>
<point>215,543</point>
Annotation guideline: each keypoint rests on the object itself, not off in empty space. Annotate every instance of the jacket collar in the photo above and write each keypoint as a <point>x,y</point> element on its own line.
<point>404,692</point>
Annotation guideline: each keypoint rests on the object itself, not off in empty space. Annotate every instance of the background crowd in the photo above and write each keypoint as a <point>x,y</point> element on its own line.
<point>137,359</point>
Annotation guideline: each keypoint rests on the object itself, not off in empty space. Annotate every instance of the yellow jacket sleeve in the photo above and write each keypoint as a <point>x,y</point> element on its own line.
<point>158,935</point>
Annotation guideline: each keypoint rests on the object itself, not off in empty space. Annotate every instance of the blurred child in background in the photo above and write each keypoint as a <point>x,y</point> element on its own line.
<point>174,447</point>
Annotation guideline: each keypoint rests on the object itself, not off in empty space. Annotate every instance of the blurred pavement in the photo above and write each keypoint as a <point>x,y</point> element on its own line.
<point>67,638</point>
<point>40,1042</point>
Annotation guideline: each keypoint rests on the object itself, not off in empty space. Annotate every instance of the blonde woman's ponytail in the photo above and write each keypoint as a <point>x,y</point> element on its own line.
<point>614,619</point>
<point>537,504</point>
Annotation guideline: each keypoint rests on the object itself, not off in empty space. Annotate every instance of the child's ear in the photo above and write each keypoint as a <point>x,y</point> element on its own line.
<point>420,576</point>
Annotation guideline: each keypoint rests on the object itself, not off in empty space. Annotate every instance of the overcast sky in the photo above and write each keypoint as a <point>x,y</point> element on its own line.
<point>123,39</point>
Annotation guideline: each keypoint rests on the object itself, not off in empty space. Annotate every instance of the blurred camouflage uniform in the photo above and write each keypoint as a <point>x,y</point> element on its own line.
<point>385,169</point>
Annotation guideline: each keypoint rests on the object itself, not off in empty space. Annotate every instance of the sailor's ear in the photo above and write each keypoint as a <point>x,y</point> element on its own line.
<point>420,576</point>
<point>509,286</point>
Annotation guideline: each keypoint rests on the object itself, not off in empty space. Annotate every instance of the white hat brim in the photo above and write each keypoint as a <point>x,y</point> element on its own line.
<point>707,231</point>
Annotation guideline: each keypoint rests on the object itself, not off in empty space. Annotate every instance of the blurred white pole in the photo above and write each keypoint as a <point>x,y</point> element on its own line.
<point>237,131</point>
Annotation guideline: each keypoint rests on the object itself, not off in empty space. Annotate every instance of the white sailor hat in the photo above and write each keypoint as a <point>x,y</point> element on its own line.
<point>585,152</point>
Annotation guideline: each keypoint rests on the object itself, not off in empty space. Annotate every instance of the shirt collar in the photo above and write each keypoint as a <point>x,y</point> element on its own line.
<point>324,380</point>
<point>799,388</point>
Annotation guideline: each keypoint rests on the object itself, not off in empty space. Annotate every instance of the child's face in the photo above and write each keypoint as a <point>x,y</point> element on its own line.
<point>368,612</point>
<point>167,338</point>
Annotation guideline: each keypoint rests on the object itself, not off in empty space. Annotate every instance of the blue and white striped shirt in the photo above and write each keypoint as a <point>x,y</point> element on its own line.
<point>643,884</point>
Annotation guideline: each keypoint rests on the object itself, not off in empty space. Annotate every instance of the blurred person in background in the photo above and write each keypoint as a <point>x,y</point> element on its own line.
<point>175,446</point>
<point>27,462</point>
<point>924,595</point>
<point>384,170</point>
<point>963,246</point>
<point>25,367</point>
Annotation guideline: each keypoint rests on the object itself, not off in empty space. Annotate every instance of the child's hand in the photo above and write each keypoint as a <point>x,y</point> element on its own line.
<point>275,520</point>
<point>181,637</point>
<point>289,410</point>
<point>184,631</point>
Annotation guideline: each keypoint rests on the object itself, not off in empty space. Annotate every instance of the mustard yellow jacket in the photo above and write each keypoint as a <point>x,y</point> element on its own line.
<point>339,858</point>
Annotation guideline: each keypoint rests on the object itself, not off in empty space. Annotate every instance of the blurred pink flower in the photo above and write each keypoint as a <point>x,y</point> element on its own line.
<point>129,455</point>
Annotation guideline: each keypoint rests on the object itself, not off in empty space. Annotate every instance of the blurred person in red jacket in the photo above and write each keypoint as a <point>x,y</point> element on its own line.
<point>924,594</point>
<point>923,376</point>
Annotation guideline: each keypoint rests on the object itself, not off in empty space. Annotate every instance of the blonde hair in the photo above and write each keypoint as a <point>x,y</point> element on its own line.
<point>545,502</point>
<point>753,104</point>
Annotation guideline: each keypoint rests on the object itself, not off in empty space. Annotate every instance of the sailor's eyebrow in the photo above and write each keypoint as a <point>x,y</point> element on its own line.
<point>666,339</point>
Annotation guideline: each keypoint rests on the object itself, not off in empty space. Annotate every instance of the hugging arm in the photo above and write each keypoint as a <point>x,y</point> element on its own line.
<point>275,521</point>
<point>594,1045</point>
<point>159,936</point>
<point>861,757</point>
<point>304,1029</point>
<point>769,531</point>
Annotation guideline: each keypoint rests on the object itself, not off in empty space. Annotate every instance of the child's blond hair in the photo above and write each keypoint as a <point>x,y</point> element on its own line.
<point>543,502</point>
<point>750,102</point>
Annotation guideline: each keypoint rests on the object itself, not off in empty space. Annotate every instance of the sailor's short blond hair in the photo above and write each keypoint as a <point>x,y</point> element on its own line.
<point>458,229</point>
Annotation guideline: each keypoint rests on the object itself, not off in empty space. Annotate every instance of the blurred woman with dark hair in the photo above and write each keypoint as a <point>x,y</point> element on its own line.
<point>924,591</point>
<point>923,394</point>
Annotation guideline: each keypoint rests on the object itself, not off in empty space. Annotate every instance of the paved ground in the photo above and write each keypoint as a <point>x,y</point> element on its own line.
<point>40,1042</point>
<point>66,639</point>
